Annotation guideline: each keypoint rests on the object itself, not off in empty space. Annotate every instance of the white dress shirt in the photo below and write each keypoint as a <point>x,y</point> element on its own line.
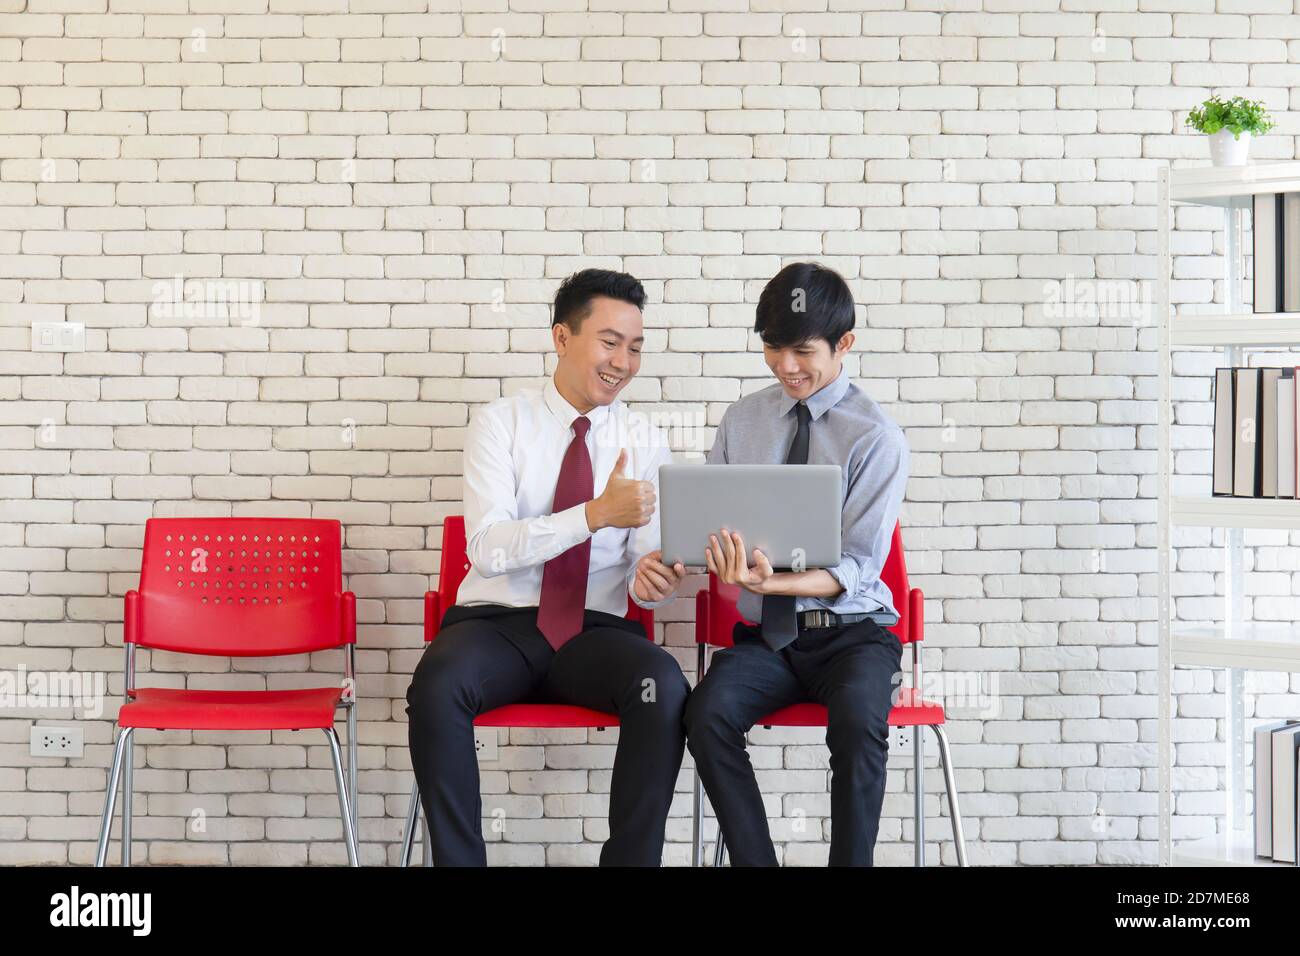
<point>513,450</point>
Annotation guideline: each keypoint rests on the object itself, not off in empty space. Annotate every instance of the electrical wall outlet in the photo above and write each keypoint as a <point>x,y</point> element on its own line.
<point>900,741</point>
<point>57,742</point>
<point>485,743</point>
<point>58,336</point>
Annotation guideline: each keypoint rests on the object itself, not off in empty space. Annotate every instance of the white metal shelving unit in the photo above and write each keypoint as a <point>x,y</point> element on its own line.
<point>1234,644</point>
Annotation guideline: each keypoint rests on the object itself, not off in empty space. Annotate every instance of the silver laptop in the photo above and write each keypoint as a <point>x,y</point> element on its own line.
<point>789,512</point>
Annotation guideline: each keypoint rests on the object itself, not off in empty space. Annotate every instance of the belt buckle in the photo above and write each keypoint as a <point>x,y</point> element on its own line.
<point>819,618</point>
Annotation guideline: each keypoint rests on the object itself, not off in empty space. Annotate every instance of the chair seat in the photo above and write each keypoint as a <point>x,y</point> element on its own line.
<point>165,708</point>
<point>911,711</point>
<point>555,716</point>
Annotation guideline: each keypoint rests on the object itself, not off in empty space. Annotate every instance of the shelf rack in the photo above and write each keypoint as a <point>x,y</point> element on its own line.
<point>1234,644</point>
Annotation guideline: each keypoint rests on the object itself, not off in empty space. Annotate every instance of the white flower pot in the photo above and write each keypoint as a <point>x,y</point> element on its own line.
<point>1227,151</point>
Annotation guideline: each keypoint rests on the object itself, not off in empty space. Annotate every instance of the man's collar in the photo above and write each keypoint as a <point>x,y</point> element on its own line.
<point>822,400</point>
<point>565,412</point>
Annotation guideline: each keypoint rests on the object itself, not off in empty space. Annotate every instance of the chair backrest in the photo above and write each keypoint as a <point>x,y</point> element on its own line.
<point>240,586</point>
<point>724,614</point>
<point>455,565</point>
<point>455,560</point>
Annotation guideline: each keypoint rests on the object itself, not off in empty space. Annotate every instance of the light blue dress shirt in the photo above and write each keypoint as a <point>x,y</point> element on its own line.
<point>848,429</point>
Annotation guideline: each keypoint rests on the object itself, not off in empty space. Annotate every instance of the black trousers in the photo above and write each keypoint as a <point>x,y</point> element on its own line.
<point>851,670</point>
<point>489,655</point>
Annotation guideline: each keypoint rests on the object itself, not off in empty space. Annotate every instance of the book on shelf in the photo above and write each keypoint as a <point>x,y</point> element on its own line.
<point>1286,741</point>
<point>1289,278</point>
<point>1224,385</point>
<point>1256,415</point>
<point>1268,379</point>
<point>1268,221</point>
<point>1286,438</point>
<point>1264,785</point>
<point>1245,452</point>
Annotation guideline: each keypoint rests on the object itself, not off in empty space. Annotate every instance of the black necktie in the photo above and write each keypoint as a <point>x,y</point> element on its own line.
<point>778,625</point>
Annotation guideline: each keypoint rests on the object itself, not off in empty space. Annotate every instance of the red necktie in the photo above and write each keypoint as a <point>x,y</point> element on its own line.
<point>564,578</point>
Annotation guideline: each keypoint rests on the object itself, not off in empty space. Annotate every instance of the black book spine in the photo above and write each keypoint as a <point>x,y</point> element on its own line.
<point>1280,214</point>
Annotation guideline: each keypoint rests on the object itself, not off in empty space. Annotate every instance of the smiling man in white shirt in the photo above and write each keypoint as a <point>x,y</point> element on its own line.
<point>561,527</point>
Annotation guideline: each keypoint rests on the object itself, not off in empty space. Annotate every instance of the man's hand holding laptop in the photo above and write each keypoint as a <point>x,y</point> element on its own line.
<point>656,580</point>
<point>727,560</point>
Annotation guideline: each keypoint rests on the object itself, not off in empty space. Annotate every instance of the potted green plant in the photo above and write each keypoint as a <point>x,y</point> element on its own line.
<point>1230,124</point>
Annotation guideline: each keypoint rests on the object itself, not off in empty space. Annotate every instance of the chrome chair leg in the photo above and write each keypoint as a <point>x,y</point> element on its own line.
<point>352,766</point>
<point>426,854</point>
<point>128,768</point>
<point>340,784</point>
<point>720,850</point>
<point>110,794</point>
<point>408,835</point>
<point>697,824</point>
<point>950,781</point>
<point>918,765</point>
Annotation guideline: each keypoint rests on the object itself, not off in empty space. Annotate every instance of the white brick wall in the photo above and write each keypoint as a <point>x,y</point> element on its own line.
<point>404,182</point>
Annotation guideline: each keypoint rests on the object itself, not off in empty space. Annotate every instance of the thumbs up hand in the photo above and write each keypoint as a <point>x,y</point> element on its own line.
<point>625,502</point>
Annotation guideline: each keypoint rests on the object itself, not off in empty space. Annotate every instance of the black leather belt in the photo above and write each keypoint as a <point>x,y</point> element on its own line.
<point>831,619</point>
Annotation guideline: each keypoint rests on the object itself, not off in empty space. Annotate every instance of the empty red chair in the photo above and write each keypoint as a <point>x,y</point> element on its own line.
<point>715,616</point>
<point>451,573</point>
<point>238,587</point>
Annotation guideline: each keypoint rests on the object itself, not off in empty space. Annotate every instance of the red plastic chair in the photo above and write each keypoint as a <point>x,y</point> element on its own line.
<point>451,573</point>
<point>715,616</point>
<point>238,587</point>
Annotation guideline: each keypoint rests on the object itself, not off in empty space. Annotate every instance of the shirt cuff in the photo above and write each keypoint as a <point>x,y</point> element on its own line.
<point>848,573</point>
<point>571,526</point>
<point>647,605</point>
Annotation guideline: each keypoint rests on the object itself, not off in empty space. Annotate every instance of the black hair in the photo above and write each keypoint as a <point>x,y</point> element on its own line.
<point>803,302</point>
<point>573,298</point>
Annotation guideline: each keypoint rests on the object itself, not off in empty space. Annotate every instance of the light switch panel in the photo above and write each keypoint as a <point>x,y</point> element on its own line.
<point>58,337</point>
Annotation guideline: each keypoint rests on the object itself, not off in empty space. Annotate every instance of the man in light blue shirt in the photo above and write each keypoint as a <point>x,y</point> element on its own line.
<point>818,634</point>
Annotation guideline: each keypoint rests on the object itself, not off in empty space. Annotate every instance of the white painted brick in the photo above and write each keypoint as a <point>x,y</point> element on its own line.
<point>387,175</point>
